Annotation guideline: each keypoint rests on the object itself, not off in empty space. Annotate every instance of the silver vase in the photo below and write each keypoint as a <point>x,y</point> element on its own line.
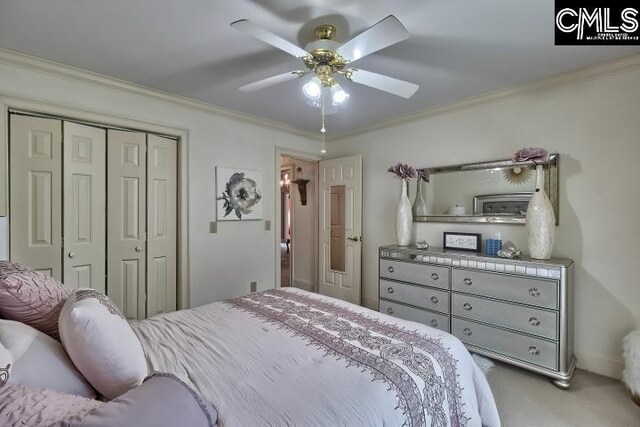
<point>404,219</point>
<point>541,220</point>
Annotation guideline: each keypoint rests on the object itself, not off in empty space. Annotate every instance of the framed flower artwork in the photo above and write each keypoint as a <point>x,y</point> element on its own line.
<point>239,194</point>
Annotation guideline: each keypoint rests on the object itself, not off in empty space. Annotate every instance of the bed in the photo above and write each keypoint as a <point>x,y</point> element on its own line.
<point>288,357</point>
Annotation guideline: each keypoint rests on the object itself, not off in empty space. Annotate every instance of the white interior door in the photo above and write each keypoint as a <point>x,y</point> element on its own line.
<point>340,234</point>
<point>126,216</point>
<point>35,205</point>
<point>162,165</point>
<point>84,206</point>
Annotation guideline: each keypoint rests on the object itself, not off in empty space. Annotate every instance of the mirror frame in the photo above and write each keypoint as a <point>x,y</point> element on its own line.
<point>551,188</point>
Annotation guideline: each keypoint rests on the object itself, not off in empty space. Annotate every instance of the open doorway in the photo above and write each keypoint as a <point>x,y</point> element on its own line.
<point>298,222</point>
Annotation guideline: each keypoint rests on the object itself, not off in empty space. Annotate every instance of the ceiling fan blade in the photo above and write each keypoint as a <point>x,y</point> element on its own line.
<point>384,83</point>
<point>385,33</point>
<point>269,38</point>
<point>271,81</point>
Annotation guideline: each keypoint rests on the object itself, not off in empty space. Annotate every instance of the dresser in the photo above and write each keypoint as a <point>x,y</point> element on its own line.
<point>517,311</point>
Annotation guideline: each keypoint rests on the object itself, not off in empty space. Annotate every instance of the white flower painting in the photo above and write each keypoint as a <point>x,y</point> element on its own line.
<point>239,194</point>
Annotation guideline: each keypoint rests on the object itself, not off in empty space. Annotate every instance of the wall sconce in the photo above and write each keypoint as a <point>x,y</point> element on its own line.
<point>302,185</point>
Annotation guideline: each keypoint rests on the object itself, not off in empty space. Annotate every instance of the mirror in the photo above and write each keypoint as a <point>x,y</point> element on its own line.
<point>491,192</point>
<point>337,246</point>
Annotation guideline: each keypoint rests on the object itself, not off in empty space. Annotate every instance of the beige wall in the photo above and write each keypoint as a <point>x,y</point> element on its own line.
<point>223,264</point>
<point>305,226</point>
<point>595,126</point>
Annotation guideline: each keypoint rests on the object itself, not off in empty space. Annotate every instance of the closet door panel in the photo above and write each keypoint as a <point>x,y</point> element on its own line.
<point>126,216</point>
<point>35,216</point>
<point>85,196</point>
<point>161,224</point>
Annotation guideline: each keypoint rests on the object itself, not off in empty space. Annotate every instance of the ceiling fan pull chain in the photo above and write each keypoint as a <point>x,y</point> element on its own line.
<point>323,129</point>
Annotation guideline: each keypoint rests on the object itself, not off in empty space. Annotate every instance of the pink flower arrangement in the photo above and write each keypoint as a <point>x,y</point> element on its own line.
<point>403,171</point>
<point>537,155</point>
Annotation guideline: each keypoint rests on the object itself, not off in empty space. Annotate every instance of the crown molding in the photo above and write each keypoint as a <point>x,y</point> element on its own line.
<point>55,69</point>
<point>593,72</point>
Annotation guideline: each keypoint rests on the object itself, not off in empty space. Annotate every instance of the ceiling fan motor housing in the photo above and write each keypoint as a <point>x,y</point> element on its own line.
<point>323,59</point>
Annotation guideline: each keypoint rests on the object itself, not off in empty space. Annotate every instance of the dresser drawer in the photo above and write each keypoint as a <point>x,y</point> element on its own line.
<point>542,293</point>
<point>526,319</point>
<point>422,274</point>
<point>418,296</point>
<point>533,350</point>
<point>426,317</point>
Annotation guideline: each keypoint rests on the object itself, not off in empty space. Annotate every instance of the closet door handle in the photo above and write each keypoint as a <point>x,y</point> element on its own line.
<point>138,248</point>
<point>71,254</point>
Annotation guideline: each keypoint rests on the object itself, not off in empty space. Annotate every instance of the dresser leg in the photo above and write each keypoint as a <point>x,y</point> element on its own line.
<point>563,384</point>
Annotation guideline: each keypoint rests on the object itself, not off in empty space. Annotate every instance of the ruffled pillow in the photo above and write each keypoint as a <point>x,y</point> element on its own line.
<point>31,297</point>
<point>101,343</point>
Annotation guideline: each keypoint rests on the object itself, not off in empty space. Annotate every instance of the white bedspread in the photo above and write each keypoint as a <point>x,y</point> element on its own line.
<point>293,358</point>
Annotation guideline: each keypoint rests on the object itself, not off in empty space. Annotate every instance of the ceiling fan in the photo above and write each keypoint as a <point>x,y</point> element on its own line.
<point>328,59</point>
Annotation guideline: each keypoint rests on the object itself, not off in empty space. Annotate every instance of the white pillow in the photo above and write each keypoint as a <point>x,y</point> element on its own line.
<point>37,360</point>
<point>101,343</point>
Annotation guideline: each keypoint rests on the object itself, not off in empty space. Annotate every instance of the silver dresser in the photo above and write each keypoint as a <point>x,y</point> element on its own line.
<point>517,311</point>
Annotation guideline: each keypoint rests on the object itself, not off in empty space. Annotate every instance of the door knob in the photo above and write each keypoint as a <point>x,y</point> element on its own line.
<point>353,239</point>
<point>138,249</point>
<point>71,254</point>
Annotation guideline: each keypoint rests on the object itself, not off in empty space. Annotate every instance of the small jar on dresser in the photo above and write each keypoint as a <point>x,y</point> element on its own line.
<point>519,311</point>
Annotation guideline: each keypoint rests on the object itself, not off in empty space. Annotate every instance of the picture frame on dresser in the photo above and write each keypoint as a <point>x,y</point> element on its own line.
<point>471,242</point>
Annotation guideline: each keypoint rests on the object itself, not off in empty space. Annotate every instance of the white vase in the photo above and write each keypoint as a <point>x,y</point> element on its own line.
<point>403,218</point>
<point>419,204</point>
<point>541,220</point>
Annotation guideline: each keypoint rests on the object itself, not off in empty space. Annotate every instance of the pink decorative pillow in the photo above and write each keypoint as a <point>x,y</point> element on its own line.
<point>31,297</point>
<point>30,406</point>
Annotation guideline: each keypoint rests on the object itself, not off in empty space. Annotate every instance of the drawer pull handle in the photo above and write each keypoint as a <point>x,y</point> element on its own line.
<point>434,323</point>
<point>534,321</point>
<point>390,310</point>
<point>390,289</point>
<point>534,292</point>
<point>467,281</point>
<point>534,350</point>
<point>467,331</point>
<point>467,306</point>
<point>391,269</point>
<point>434,300</point>
<point>435,276</point>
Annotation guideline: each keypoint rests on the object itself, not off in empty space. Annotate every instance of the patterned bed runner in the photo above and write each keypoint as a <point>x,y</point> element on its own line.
<point>418,368</point>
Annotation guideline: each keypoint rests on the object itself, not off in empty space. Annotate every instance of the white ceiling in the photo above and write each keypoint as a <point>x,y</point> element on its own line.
<point>457,49</point>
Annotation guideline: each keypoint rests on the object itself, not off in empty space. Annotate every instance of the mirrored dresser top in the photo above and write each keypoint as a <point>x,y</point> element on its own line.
<point>550,268</point>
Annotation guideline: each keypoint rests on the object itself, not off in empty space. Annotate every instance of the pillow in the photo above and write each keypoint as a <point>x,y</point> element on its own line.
<point>161,401</point>
<point>31,297</point>
<point>31,406</point>
<point>101,343</point>
<point>38,360</point>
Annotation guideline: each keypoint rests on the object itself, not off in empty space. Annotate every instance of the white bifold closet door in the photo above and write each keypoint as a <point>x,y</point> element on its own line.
<point>35,187</point>
<point>142,241</point>
<point>127,213</point>
<point>84,206</point>
<point>162,180</point>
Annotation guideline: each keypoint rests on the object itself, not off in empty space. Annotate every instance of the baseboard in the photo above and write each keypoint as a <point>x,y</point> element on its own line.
<point>369,302</point>
<point>600,365</point>
<point>301,284</point>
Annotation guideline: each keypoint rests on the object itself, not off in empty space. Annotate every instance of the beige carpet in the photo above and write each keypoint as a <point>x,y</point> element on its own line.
<point>529,400</point>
